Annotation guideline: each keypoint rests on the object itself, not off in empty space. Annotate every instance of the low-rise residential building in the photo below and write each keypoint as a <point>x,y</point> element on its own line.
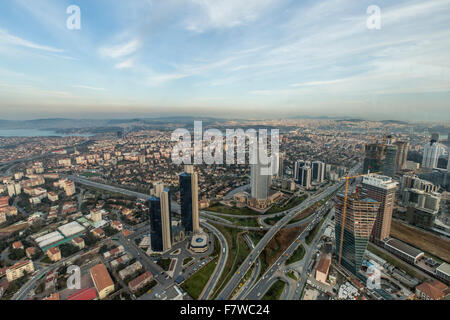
<point>78,242</point>
<point>54,254</point>
<point>140,282</point>
<point>19,269</point>
<point>128,271</point>
<point>99,233</point>
<point>30,252</point>
<point>116,225</point>
<point>434,290</point>
<point>17,245</point>
<point>102,280</point>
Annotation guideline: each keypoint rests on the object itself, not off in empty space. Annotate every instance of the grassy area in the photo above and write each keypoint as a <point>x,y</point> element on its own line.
<point>298,255</point>
<point>256,236</point>
<point>275,291</point>
<point>247,222</point>
<point>272,221</point>
<point>395,261</point>
<point>426,241</point>
<point>291,204</point>
<point>312,234</point>
<point>187,260</point>
<point>220,208</point>
<point>291,275</point>
<point>195,284</point>
<point>164,263</point>
<point>238,251</point>
<point>277,245</point>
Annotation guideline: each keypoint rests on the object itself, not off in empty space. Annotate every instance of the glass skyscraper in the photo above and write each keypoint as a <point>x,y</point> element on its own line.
<point>160,219</point>
<point>189,200</point>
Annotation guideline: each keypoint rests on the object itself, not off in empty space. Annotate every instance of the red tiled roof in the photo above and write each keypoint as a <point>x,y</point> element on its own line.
<point>435,290</point>
<point>84,294</point>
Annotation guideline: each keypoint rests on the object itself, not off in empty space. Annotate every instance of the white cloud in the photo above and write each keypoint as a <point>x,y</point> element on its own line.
<point>8,38</point>
<point>121,50</point>
<point>129,63</point>
<point>215,14</point>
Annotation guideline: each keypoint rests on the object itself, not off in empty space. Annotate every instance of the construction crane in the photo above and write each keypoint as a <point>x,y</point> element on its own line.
<point>344,209</point>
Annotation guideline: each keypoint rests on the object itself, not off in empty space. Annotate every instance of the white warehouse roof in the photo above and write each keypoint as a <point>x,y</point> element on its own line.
<point>71,228</point>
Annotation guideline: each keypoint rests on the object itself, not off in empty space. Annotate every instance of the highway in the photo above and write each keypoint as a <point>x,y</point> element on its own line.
<point>310,250</point>
<point>258,290</point>
<point>220,264</point>
<point>254,254</point>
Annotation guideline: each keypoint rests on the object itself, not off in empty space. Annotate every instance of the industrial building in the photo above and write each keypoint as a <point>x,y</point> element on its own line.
<point>403,250</point>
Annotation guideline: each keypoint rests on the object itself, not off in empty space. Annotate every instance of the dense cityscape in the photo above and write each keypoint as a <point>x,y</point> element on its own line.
<point>347,213</point>
<point>225,158</point>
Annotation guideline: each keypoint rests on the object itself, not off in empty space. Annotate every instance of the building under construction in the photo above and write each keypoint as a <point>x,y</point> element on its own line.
<point>374,158</point>
<point>380,188</point>
<point>353,227</point>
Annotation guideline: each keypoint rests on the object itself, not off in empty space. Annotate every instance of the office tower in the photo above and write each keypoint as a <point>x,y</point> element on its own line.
<point>160,219</point>
<point>318,171</point>
<point>260,181</point>
<point>435,136</point>
<point>305,177</point>
<point>375,155</point>
<point>382,189</point>
<point>431,154</point>
<point>353,231</point>
<point>389,165</point>
<point>402,154</point>
<point>297,167</point>
<point>189,200</point>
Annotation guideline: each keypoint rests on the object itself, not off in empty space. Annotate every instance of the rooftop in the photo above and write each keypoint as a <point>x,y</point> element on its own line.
<point>403,247</point>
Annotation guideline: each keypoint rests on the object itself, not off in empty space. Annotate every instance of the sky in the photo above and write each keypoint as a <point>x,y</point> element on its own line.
<point>225,58</point>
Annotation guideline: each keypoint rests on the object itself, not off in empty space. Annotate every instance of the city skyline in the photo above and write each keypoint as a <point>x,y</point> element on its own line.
<point>211,58</point>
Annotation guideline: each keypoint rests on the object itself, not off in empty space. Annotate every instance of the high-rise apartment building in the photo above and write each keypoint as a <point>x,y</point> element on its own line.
<point>390,162</point>
<point>382,189</point>
<point>160,219</point>
<point>431,153</point>
<point>402,154</point>
<point>353,231</point>
<point>189,200</point>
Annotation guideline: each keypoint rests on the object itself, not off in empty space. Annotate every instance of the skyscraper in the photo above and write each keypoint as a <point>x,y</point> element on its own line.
<point>160,219</point>
<point>318,171</point>
<point>281,158</point>
<point>305,177</point>
<point>297,167</point>
<point>260,181</point>
<point>382,189</point>
<point>390,162</point>
<point>374,158</point>
<point>402,154</point>
<point>431,153</point>
<point>353,231</point>
<point>189,200</point>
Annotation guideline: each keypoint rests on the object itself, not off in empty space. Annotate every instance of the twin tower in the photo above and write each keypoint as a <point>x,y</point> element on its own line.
<point>161,210</point>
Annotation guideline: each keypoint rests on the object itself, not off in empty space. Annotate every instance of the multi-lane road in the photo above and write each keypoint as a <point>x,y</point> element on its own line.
<point>254,254</point>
